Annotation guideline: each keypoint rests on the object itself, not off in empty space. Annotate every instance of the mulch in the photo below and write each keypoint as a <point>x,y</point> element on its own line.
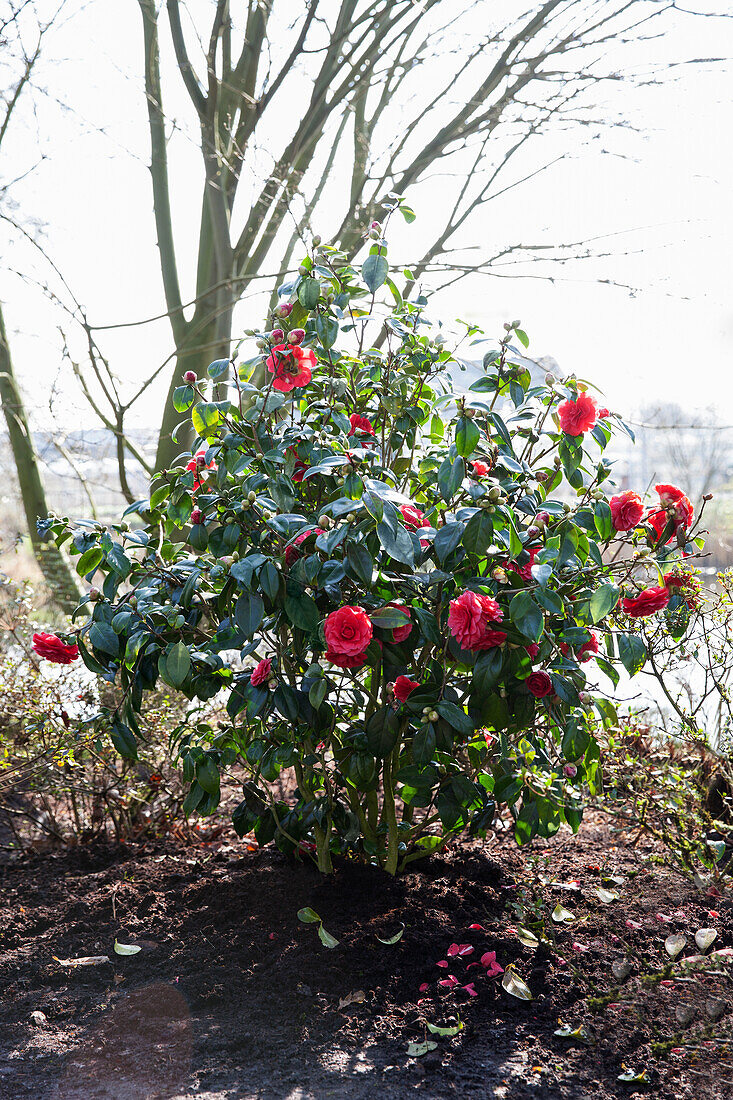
<point>231,995</point>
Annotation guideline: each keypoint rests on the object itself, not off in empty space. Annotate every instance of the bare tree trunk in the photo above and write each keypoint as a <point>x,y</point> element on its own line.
<point>53,565</point>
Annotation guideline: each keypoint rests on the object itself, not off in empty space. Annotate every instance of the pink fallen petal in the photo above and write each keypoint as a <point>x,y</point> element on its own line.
<point>471,966</point>
<point>459,949</point>
<point>633,924</point>
<point>512,931</point>
<point>666,982</point>
<point>613,1005</point>
<point>450,982</point>
<point>613,938</point>
<point>271,936</point>
<point>442,963</point>
<point>475,928</point>
<point>560,961</point>
<point>714,914</point>
<point>424,987</point>
<point>488,959</point>
<point>579,946</point>
<point>470,990</point>
<point>493,970</point>
<point>663,918</point>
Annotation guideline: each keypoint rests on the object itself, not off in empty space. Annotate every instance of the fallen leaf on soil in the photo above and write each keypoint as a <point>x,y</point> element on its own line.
<point>395,938</point>
<point>674,944</point>
<point>704,937</point>
<point>514,985</point>
<point>39,1018</point>
<point>606,896</point>
<point>355,998</point>
<point>561,915</point>
<point>326,938</point>
<point>84,960</point>
<point>416,1050</point>
<point>527,938</point>
<point>126,948</point>
<point>446,1032</point>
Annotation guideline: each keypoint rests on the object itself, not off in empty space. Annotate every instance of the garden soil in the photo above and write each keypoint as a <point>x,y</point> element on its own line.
<point>232,996</point>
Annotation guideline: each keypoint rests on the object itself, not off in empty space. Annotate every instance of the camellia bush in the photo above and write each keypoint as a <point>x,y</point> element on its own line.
<point>401,587</point>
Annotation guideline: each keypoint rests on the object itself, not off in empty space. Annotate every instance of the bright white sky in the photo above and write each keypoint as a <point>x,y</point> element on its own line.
<point>665,201</point>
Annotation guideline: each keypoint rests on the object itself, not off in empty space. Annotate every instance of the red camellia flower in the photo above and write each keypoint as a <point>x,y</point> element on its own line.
<point>524,571</point>
<point>578,416</point>
<point>540,684</point>
<point>348,631</point>
<point>479,468</point>
<point>403,686</point>
<point>603,414</point>
<point>345,660</point>
<point>291,365</point>
<point>626,510</point>
<point>674,505</point>
<point>261,673</point>
<point>646,603</point>
<point>399,633</point>
<point>533,649</point>
<point>360,424</point>
<point>53,649</point>
<point>588,649</point>
<point>468,619</point>
<point>198,462</point>
<point>413,517</point>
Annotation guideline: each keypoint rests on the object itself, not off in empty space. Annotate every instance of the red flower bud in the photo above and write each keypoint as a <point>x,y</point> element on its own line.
<point>197,516</point>
<point>277,336</point>
<point>284,310</point>
<point>296,336</point>
<point>190,377</point>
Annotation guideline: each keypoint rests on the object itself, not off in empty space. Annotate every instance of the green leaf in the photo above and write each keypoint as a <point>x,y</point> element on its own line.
<point>467,436</point>
<point>360,561</point>
<point>487,671</point>
<point>603,601</point>
<point>249,612</point>
<point>389,618</point>
<point>193,799</point>
<point>527,616</point>
<point>205,418</point>
<point>326,938</point>
<point>303,612</point>
<point>455,717</point>
<point>450,476</point>
<point>479,533</point>
<point>178,664</point>
<point>309,292</point>
<point>522,337</point>
<point>382,731</point>
<point>308,916</point>
<point>447,539</point>
<point>123,740</point>
<point>632,652</point>
<point>90,559</point>
<point>183,398</point>
<point>393,939</point>
<point>218,369</point>
<point>444,1032</point>
<point>375,271</point>
<point>103,637</point>
<point>207,775</point>
<point>398,544</point>
<point>423,745</point>
<point>126,948</point>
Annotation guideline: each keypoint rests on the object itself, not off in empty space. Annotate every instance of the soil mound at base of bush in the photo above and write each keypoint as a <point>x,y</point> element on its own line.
<point>232,996</point>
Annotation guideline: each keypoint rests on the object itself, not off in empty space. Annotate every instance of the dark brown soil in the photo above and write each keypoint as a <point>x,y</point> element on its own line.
<point>231,996</point>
